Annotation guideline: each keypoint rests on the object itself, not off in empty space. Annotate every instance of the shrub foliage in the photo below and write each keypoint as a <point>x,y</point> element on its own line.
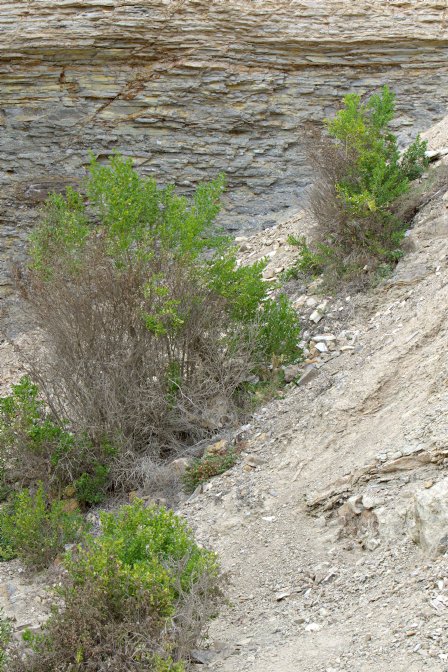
<point>150,325</point>
<point>37,530</point>
<point>135,597</point>
<point>360,174</point>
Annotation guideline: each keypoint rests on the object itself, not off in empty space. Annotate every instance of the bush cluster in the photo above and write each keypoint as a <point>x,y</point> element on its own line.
<point>150,326</point>
<point>135,597</point>
<point>37,530</point>
<point>36,445</point>
<point>360,174</point>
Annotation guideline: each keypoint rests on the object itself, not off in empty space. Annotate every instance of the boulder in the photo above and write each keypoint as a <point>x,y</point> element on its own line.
<point>429,518</point>
<point>180,465</point>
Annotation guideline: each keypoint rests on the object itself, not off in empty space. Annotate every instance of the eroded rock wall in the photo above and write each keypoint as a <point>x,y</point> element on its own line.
<point>190,88</point>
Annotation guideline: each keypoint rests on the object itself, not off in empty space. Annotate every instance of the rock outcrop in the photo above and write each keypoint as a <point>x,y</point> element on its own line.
<point>190,88</point>
<point>431,517</point>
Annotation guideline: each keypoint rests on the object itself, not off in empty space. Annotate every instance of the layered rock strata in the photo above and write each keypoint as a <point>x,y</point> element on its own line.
<point>191,88</point>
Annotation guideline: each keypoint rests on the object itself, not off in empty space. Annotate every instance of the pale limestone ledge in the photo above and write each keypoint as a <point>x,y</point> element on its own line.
<point>192,88</point>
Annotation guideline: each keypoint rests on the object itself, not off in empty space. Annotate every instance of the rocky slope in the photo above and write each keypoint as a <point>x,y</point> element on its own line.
<point>192,87</point>
<point>333,525</point>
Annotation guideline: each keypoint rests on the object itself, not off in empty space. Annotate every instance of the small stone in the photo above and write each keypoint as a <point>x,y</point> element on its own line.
<point>282,595</point>
<point>312,627</point>
<point>298,303</point>
<point>69,491</point>
<point>268,273</point>
<point>254,460</point>
<point>355,504</point>
<point>430,517</point>
<point>428,484</point>
<point>310,372</point>
<point>325,338</point>
<point>316,316</point>
<point>217,448</point>
<point>291,372</point>
<point>202,657</point>
<point>70,505</point>
<point>180,466</point>
<point>321,347</point>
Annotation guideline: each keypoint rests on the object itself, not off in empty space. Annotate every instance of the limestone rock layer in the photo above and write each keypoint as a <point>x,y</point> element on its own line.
<point>189,88</point>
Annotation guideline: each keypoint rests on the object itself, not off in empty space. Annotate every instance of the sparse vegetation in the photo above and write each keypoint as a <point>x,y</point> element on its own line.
<point>36,529</point>
<point>204,468</point>
<point>308,263</point>
<point>135,597</point>
<point>360,175</point>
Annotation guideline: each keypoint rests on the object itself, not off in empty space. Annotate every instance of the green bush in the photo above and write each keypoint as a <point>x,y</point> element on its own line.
<point>91,488</point>
<point>36,530</point>
<point>5,639</point>
<point>279,330</point>
<point>149,323</point>
<point>36,445</point>
<point>135,597</point>
<point>309,263</point>
<point>360,176</point>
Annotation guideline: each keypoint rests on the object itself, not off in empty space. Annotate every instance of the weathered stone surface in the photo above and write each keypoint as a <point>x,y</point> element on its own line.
<point>430,518</point>
<point>192,88</point>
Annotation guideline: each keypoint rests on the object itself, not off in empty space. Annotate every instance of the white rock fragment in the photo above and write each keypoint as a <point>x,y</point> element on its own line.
<point>316,316</point>
<point>429,513</point>
<point>324,338</point>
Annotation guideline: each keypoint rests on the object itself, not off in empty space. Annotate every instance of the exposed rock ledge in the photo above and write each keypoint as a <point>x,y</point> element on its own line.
<point>189,88</point>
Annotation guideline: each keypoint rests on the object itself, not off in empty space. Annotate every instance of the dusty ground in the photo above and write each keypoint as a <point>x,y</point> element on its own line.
<point>316,584</point>
<point>308,594</point>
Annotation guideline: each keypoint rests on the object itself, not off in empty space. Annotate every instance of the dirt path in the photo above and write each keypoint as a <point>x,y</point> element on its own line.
<point>329,592</point>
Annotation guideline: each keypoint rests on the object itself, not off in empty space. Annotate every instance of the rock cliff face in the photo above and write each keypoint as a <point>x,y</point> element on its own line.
<point>189,88</point>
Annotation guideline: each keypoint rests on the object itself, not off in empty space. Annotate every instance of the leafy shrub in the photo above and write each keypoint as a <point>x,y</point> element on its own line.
<point>4,486</point>
<point>91,488</point>
<point>359,176</point>
<point>308,262</point>
<point>204,468</point>
<point>279,330</point>
<point>150,325</point>
<point>5,638</point>
<point>36,446</point>
<point>135,597</point>
<point>6,550</point>
<point>37,530</point>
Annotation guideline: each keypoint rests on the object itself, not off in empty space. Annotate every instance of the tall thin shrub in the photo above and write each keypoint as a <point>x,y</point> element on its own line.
<point>359,175</point>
